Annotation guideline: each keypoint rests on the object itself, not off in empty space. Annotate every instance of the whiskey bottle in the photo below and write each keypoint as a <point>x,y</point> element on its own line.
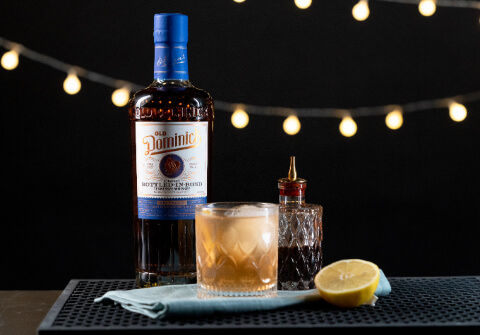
<point>300,231</point>
<point>171,124</point>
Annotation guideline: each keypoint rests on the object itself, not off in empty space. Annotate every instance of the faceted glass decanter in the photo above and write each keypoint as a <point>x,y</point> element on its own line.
<point>300,233</point>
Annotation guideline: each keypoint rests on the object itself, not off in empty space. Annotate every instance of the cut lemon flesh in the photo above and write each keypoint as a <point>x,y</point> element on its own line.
<point>348,282</point>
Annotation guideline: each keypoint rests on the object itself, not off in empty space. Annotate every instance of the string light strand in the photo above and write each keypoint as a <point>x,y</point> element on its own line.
<point>65,67</point>
<point>441,3</point>
<point>123,89</point>
<point>394,117</point>
<point>409,107</point>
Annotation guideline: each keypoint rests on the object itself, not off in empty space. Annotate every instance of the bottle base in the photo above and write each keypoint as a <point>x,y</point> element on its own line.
<point>149,279</point>
<point>300,285</point>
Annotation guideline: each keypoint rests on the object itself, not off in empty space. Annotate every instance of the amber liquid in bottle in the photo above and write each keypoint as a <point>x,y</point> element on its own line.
<point>165,249</point>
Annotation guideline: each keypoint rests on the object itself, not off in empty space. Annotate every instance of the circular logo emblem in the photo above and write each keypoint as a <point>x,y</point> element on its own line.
<point>172,166</point>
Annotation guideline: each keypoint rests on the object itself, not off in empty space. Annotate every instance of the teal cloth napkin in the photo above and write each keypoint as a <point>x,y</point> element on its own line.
<point>181,300</point>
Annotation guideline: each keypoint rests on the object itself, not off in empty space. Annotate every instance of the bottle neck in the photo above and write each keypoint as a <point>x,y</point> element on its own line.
<point>171,62</point>
<point>292,193</point>
<point>292,200</point>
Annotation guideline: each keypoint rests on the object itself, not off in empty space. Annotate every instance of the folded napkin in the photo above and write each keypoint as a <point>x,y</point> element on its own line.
<point>182,301</point>
<point>383,287</point>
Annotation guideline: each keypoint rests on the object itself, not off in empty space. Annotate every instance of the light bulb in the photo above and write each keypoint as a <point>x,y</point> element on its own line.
<point>457,111</point>
<point>291,125</point>
<point>394,119</point>
<point>72,84</point>
<point>303,4</point>
<point>10,60</point>
<point>239,1</point>
<point>121,96</point>
<point>239,118</point>
<point>361,11</point>
<point>348,127</point>
<point>427,7</point>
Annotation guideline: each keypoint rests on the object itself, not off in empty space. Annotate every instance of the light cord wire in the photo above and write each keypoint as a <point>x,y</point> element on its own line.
<point>252,109</point>
<point>442,3</point>
<point>65,67</point>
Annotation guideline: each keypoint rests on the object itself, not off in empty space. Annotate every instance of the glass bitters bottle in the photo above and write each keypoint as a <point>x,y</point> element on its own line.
<point>300,231</point>
<point>171,124</point>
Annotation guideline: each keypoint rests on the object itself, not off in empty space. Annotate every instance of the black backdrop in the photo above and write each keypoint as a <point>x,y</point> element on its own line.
<point>407,200</point>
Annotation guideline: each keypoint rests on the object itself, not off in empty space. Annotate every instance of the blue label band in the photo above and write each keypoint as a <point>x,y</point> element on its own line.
<point>171,61</point>
<point>168,209</point>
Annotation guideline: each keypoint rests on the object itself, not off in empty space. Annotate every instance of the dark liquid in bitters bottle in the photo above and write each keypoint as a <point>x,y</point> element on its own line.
<point>298,266</point>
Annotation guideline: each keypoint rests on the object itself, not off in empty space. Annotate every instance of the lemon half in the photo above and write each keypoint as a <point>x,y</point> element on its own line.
<point>348,282</point>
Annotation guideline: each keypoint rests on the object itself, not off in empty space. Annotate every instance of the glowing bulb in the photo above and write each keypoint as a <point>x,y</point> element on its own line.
<point>348,127</point>
<point>361,11</point>
<point>457,111</point>
<point>394,119</point>
<point>121,96</point>
<point>291,125</point>
<point>10,60</point>
<point>72,84</point>
<point>303,4</point>
<point>239,118</point>
<point>427,7</point>
<point>239,1</point>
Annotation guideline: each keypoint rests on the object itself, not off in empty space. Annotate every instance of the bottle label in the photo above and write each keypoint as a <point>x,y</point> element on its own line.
<point>171,160</point>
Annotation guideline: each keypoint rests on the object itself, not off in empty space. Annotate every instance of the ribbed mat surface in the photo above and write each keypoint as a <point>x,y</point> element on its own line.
<point>413,302</point>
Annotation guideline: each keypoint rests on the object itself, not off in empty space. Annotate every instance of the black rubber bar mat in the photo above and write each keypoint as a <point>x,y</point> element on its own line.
<point>415,302</point>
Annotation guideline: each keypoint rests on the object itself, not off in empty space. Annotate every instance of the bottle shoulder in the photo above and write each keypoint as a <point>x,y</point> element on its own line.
<point>171,94</point>
<point>171,101</point>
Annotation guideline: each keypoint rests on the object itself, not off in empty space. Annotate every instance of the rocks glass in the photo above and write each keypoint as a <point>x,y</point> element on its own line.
<point>237,249</point>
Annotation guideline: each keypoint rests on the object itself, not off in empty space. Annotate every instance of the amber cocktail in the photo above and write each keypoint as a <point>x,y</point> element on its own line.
<point>237,249</point>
